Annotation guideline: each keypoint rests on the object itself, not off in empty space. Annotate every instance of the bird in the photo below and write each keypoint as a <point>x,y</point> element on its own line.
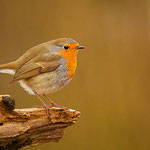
<point>45,68</point>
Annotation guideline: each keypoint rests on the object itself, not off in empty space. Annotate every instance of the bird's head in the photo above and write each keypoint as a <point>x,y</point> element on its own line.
<point>66,47</point>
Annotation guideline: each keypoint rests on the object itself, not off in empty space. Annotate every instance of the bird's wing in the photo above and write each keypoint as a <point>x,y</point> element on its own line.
<point>32,53</point>
<point>37,66</point>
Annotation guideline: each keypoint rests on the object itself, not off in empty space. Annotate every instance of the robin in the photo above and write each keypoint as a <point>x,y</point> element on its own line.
<point>45,68</point>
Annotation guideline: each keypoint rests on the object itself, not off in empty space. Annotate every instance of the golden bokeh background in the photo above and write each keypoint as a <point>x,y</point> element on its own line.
<point>111,87</point>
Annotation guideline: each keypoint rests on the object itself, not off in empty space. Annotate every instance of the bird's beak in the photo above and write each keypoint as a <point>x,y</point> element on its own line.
<point>80,47</point>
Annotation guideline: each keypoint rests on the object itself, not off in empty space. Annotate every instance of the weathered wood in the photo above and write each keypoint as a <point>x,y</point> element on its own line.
<point>23,128</point>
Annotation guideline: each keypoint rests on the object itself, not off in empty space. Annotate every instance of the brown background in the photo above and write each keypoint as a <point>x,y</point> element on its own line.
<point>111,85</point>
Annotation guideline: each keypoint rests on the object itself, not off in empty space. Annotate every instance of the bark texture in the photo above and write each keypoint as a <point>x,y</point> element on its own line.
<point>23,128</point>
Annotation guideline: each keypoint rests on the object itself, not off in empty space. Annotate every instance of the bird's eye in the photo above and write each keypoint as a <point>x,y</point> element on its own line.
<point>66,47</point>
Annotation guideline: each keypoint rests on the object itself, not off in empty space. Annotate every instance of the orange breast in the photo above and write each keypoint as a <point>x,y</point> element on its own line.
<point>71,60</point>
<point>71,63</point>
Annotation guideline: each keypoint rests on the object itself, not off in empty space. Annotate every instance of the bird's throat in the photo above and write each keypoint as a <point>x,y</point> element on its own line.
<point>71,61</point>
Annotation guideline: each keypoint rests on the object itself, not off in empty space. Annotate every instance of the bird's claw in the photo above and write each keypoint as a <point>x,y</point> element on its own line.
<point>47,111</point>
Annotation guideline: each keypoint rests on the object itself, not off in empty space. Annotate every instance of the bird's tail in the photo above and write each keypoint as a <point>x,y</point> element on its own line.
<point>8,68</point>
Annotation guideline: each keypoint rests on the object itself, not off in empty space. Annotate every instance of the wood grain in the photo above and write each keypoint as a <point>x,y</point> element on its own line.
<point>23,128</point>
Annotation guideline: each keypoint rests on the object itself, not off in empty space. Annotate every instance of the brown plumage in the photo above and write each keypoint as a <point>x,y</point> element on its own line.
<point>45,68</point>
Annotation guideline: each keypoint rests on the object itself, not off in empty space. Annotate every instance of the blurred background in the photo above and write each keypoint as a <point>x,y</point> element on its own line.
<point>111,87</point>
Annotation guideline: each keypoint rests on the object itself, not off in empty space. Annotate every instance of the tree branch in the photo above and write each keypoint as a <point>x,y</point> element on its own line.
<point>23,128</point>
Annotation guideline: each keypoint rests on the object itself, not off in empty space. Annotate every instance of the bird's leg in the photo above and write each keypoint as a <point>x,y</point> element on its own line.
<point>52,103</point>
<point>44,105</point>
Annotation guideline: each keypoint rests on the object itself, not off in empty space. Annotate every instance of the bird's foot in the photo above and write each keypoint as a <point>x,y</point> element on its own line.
<point>52,103</point>
<point>55,105</point>
<point>47,111</point>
